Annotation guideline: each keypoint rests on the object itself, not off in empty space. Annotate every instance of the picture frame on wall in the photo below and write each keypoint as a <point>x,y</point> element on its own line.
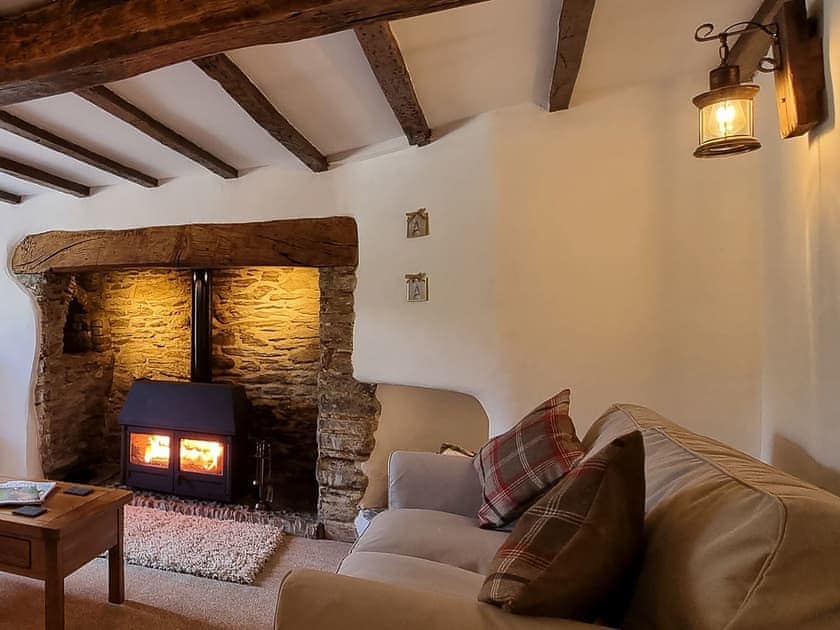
<point>417,224</point>
<point>417,287</point>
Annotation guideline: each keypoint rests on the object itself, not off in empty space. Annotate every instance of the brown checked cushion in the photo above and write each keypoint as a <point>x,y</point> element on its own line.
<point>573,549</point>
<point>518,466</point>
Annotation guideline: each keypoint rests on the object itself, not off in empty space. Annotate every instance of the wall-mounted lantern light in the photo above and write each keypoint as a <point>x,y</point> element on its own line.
<point>727,110</point>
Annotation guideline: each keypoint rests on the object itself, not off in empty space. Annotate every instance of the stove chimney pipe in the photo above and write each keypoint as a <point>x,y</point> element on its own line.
<point>201,327</point>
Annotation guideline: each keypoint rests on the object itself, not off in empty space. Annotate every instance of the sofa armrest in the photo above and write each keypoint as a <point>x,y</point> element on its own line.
<point>325,601</point>
<point>427,481</point>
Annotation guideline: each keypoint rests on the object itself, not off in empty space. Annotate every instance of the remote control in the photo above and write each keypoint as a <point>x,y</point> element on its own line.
<point>29,510</point>
<point>77,491</point>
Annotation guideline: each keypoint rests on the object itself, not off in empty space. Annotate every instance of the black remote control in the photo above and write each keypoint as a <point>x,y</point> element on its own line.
<point>29,510</point>
<point>77,491</point>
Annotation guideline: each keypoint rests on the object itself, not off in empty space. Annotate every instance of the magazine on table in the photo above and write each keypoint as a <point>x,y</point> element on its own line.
<point>25,492</point>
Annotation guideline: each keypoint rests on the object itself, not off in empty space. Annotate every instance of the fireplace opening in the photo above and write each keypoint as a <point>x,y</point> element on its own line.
<point>122,301</point>
<point>258,329</point>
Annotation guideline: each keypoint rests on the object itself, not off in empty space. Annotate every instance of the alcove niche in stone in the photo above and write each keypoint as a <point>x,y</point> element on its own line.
<point>115,306</point>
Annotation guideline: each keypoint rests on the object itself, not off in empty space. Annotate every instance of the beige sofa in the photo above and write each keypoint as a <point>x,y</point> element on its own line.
<point>731,543</point>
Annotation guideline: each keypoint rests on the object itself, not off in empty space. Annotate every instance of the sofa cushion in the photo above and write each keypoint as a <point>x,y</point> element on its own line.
<point>519,465</point>
<point>575,546</point>
<point>416,573</point>
<point>427,481</point>
<point>438,536</point>
<point>317,600</point>
<point>730,541</point>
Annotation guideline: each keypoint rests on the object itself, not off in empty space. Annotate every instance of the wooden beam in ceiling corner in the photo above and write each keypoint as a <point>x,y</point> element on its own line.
<point>386,60</point>
<point>42,178</point>
<point>752,47</point>
<point>117,106</point>
<point>7,197</point>
<point>573,31</point>
<point>47,139</point>
<point>248,96</point>
<point>73,44</point>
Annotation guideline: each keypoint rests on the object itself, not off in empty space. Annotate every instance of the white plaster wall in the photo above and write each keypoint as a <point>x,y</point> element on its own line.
<point>623,269</point>
<point>801,286</point>
<point>584,249</point>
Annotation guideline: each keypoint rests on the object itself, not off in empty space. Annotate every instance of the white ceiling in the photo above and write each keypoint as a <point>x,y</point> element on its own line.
<point>463,62</point>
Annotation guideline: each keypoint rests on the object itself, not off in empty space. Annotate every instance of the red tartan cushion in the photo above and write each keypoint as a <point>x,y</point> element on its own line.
<point>518,466</point>
<point>572,554</point>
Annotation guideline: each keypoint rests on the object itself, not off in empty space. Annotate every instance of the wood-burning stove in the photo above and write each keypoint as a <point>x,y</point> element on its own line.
<point>186,438</point>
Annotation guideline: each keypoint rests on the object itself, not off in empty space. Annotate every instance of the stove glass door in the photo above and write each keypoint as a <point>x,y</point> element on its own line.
<point>149,449</point>
<point>206,457</point>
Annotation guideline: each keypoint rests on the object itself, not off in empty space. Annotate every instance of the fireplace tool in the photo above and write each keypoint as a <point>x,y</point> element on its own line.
<point>265,491</point>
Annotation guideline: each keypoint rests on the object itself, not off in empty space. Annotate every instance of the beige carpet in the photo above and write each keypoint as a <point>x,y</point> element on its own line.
<point>207,547</point>
<point>159,600</point>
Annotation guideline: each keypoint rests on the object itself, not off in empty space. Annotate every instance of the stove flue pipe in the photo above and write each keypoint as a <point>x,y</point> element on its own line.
<point>201,326</point>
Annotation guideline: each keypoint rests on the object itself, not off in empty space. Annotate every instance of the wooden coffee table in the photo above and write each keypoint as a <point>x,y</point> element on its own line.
<point>72,532</point>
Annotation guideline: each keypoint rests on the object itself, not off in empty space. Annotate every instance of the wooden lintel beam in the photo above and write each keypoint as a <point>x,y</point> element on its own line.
<point>7,197</point>
<point>117,106</point>
<point>47,139</point>
<point>573,30</point>
<point>327,242</point>
<point>249,97</point>
<point>42,178</point>
<point>68,45</point>
<point>752,47</point>
<point>386,60</point>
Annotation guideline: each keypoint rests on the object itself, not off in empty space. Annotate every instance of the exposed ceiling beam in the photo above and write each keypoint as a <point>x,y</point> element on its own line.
<point>26,130</point>
<point>383,53</point>
<point>68,45</point>
<point>573,31</point>
<point>7,197</point>
<point>42,178</point>
<point>117,106</point>
<point>257,106</point>
<point>752,47</point>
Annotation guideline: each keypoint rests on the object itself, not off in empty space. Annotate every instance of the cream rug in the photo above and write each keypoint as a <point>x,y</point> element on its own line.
<point>229,551</point>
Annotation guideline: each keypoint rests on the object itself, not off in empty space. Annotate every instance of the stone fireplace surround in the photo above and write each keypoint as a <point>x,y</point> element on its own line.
<point>59,269</point>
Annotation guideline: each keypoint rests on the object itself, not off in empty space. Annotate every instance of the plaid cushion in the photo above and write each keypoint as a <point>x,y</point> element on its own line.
<point>574,547</point>
<point>518,466</point>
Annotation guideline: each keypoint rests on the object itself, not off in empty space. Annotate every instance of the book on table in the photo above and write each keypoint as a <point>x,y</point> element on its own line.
<point>25,492</point>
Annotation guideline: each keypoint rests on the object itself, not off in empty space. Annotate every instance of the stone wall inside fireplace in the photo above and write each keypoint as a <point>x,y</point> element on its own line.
<point>120,326</point>
<point>266,338</point>
<point>284,333</point>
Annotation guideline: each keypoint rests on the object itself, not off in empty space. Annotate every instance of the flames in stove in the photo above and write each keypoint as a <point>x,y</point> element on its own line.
<point>150,450</point>
<point>201,456</point>
<point>195,456</point>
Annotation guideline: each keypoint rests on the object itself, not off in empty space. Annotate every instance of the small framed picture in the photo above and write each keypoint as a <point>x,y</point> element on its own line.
<point>417,224</point>
<point>417,287</point>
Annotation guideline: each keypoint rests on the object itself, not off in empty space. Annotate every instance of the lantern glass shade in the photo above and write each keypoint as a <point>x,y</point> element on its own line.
<point>727,121</point>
